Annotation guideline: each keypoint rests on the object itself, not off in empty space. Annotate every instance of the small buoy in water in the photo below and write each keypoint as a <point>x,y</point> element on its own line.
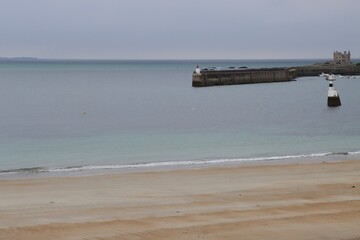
<point>84,113</point>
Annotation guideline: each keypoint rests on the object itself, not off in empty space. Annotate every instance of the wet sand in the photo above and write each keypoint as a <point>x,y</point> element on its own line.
<point>260,201</point>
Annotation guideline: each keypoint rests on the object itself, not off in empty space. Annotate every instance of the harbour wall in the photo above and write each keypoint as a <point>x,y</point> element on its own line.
<point>266,75</point>
<point>231,77</point>
<point>315,70</point>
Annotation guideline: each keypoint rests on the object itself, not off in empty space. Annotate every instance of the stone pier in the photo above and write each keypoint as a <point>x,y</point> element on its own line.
<point>216,77</point>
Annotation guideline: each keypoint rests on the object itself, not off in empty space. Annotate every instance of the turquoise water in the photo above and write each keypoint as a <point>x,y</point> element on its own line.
<point>78,115</point>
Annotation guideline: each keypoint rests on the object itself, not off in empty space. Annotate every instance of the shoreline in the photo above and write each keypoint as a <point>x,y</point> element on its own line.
<point>262,200</point>
<point>43,172</point>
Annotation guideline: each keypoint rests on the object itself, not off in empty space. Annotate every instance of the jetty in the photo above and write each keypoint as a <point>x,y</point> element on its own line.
<point>214,77</point>
<point>241,76</point>
<point>341,65</point>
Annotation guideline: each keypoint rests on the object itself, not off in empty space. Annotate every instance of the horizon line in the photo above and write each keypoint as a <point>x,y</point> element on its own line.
<point>153,59</point>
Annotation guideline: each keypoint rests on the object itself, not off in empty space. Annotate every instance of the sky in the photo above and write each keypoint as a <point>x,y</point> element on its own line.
<point>179,29</point>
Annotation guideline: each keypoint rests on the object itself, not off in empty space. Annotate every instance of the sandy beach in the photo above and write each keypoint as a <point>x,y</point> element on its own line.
<point>259,201</point>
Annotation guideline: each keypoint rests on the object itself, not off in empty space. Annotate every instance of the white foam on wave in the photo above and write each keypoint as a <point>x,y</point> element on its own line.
<point>175,163</point>
<point>354,153</point>
<point>188,163</point>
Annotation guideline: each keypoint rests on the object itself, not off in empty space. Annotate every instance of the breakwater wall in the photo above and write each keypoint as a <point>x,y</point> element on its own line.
<point>231,77</point>
<point>214,77</point>
<point>315,70</point>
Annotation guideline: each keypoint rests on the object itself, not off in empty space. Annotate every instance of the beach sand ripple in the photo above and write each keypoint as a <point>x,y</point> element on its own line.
<point>258,201</point>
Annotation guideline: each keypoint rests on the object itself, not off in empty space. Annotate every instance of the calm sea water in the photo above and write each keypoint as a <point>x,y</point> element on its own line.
<point>62,116</point>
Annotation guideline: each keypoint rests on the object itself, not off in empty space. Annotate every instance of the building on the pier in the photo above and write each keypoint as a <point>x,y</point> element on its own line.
<point>341,58</point>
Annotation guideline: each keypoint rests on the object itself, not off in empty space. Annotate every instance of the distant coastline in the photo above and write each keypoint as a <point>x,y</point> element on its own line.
<point>319,60</point>
<point>19,58</point>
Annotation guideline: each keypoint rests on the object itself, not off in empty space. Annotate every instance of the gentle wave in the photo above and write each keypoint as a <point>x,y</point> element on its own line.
<point>173,163</point>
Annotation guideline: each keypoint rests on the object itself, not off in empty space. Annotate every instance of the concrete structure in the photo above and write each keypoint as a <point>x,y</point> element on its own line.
<point>342,58</point>
<point>316,70</point>
<point>215,77</point>
<point>241,76</point>
<point>333,95</point>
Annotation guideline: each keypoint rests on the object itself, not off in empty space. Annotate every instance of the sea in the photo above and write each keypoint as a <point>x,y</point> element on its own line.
<point>66,117</point>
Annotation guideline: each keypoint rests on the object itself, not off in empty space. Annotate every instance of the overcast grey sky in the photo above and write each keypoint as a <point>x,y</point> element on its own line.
<point>179,29</point>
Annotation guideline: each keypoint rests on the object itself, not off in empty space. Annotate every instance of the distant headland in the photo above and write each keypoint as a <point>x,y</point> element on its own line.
<point>19,58</point>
